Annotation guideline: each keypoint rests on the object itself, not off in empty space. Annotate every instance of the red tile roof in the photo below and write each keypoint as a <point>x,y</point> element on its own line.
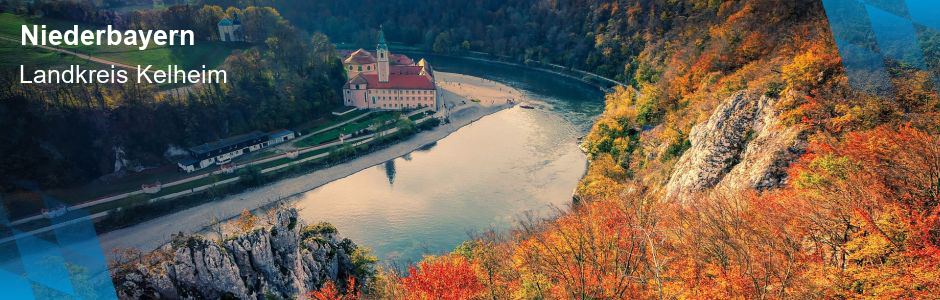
<point>360,57</point>
<point>413,82</point>
<point>400,59</point>
<point>405,70</point>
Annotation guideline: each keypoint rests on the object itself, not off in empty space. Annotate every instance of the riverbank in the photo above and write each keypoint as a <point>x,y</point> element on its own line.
<point>542,67</point>
<point>459,93</point>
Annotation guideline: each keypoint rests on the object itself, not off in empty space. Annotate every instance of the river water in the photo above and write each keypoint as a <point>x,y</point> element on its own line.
<point>484,176</point>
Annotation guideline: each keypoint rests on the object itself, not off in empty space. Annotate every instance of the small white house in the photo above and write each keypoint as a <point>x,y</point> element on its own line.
<point>230,30</point>
<point>281,136</point>
<point>223,151</point>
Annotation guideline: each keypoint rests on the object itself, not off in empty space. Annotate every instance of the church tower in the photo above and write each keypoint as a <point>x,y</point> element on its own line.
<point>382,52</point>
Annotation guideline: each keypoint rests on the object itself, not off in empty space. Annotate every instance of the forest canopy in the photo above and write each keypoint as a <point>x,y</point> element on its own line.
<point>71,134</point>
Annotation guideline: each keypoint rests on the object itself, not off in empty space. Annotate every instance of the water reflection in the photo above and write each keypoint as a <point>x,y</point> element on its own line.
<point>427,147</point>
<point>484,176</point>
<point>390,171</point>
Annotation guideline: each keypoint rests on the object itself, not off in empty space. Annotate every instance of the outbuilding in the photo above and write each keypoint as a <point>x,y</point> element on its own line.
<point>223,151</point>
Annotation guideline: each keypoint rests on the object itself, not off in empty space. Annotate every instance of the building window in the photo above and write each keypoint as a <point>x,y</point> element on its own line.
<point>360,68</point>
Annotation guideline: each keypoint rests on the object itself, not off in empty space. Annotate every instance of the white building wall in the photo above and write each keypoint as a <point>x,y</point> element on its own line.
<point>403,99</point>
<point>390,99</point>
<point>354,69</point>
<point>227,33</point>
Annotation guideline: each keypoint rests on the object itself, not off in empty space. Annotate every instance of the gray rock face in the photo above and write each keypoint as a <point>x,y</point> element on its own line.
<point>284,260</point>
<point>741,145</point>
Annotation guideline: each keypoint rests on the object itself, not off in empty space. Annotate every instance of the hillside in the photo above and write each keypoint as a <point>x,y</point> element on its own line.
<point>741,160</point>
<point>740,164</point>
<point>73,135</point>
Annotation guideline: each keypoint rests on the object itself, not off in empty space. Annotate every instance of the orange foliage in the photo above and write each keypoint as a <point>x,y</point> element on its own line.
<point>860,219</point>
<point>754,46</point>
<point>246,221</point>
<point>445,277</point>
<point>329,291</point>
<point>596,252</point>
<point>883,187</point>
<point>812,67</point>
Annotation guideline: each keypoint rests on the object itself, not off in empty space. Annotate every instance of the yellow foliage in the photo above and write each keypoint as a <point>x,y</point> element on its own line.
<point>246,221</point>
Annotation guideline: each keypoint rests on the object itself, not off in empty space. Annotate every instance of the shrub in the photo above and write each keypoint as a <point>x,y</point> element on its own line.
<point>363,263</point>
<point>677,148</point>
<point>251,175</point>
<point>774,89</point>
<point>318,229</point>
<point>445,277</point>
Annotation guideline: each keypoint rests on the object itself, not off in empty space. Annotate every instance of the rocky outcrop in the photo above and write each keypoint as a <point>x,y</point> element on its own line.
<point>284,260</point>
<point>742,145</point>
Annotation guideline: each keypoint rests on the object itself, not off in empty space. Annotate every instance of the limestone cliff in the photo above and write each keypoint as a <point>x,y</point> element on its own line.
<point>283,260</point>
<point>742,145</point>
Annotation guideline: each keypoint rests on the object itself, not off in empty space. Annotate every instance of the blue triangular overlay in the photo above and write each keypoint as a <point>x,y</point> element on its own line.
<point>897,7</point>
<point>43,262</point>
<point>865,70</point>
<point>15,286</point>
<point>896,37</point>
<point>849,22</point>
<point>925,12</point>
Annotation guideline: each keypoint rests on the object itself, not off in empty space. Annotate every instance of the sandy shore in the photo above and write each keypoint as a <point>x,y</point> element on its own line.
<point>458,92</point>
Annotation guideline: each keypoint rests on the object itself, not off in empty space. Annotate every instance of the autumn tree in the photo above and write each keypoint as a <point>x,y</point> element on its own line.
<point>330,291</point>
<point>446,277</point>
<point>881,190</point>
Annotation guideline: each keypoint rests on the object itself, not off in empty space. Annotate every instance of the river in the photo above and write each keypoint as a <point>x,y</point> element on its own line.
<point>484,176</point>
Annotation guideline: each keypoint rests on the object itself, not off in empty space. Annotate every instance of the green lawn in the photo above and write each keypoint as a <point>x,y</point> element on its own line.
<point>210,54</point>
<point>34,58</point>
<point>333,134</point>
<point>329,120</point>
<point>350,115</point>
